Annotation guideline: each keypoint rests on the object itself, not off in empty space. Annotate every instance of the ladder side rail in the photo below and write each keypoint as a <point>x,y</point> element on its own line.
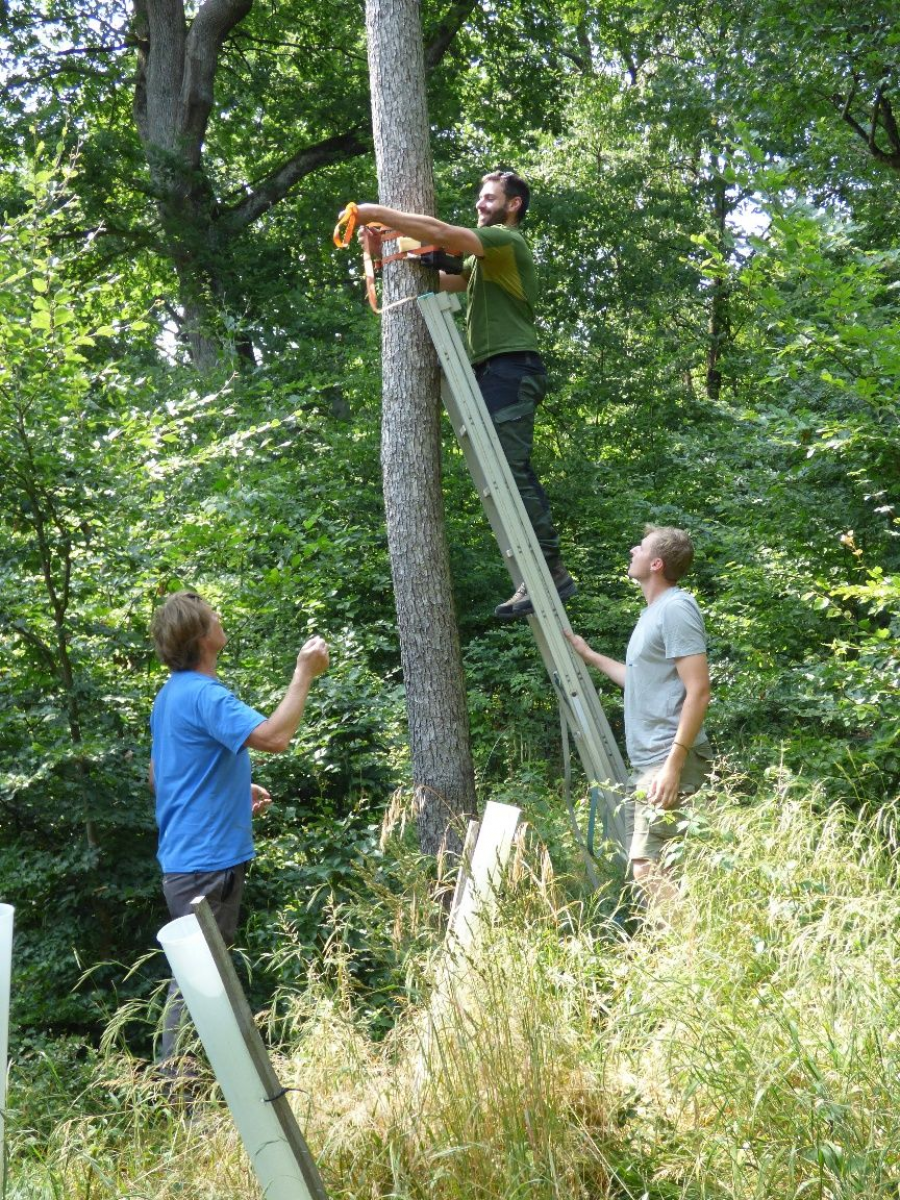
<point>474,428</point>
<point>596,767</point>
<point>587,720</point>
<point>487,464</point>
<point>596,745</point>
<point>487,487</point>
<point>481,448</point>
<point>577,686</point>
<point>593,738</point>
<point>491,473</point>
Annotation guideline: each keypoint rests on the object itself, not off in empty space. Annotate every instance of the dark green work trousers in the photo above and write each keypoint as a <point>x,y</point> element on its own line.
<point>513,385</point>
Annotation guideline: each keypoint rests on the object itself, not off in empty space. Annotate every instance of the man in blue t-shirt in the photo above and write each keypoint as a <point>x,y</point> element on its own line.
<point>200,767</point>
<point>499,279</point>
<point>666,680</point>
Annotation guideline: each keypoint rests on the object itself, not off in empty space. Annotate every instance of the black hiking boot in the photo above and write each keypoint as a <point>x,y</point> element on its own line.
<point>519,604</point>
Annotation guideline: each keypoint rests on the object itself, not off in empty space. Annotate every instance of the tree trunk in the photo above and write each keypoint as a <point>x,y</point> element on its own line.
<point>443,775</point>
<point>173,100</point>
<point>718,323</point>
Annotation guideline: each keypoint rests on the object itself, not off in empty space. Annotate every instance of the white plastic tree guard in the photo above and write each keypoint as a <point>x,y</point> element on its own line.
<point>481,874</point>
<point>218,1007</point>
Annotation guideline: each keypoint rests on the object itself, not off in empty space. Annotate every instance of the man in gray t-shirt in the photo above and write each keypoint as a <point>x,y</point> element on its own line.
<point>666,680</point>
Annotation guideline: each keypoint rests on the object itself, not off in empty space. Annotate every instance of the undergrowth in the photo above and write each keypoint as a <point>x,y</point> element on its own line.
<point>748,1049</point>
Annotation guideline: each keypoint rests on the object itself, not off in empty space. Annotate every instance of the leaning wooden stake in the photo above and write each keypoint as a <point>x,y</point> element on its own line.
<point>212,992</point>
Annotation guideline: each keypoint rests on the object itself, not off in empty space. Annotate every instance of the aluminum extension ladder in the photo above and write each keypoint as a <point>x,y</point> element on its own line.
<point>579,703</point>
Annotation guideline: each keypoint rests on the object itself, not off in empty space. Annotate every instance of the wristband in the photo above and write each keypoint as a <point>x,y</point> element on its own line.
<point>681,744</point>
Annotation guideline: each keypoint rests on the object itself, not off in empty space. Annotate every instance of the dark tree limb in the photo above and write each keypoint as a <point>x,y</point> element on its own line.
<point>203,44</point>
<point>277,185</point>
<point>883,120</point>
<point>442,37</point>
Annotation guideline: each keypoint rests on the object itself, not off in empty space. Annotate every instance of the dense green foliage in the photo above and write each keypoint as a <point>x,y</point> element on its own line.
<point>717,248</point>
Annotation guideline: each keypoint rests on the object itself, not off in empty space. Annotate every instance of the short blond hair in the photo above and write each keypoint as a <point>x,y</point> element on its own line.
<point>674,547</point>
<point>177,627</point>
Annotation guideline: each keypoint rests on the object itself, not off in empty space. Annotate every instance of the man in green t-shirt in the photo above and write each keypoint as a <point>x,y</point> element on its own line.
<point>499,279</point>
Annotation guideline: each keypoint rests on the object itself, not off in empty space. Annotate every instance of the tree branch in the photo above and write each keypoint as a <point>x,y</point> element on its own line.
<point>882,107</point>
<point>207,33</point>
<point>334,149</point>
<point>889,121</point>
<point>446,31</point>
<point>276,186</point>
<point>18,628</point>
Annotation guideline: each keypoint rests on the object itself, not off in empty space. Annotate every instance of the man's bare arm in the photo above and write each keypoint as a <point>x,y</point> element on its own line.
<point>428,230</point>
<point>693,670</point>
<point>274,734</point>
<point>611,667</point>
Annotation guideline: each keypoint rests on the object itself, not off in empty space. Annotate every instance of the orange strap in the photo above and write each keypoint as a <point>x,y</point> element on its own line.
<point>372,237</point>
<point>346,226</point>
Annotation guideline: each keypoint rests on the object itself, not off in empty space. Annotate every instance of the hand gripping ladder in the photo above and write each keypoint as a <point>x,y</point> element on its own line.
<point>578,700</point>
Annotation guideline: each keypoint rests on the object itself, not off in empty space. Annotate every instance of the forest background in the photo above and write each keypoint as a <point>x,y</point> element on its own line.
<point>190,396</point>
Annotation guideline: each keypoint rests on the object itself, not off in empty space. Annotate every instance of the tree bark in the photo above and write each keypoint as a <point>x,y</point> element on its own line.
<point>174,93</point>
<point>443,774</point>
<point>718,320</point>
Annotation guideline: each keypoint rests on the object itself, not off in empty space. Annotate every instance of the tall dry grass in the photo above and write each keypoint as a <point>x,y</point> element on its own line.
<point>748,1049</point>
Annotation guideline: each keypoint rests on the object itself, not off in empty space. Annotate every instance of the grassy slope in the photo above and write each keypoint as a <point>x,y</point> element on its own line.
<point>748,1050</point>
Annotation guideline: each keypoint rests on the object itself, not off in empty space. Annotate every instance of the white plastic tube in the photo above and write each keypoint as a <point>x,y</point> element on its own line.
<point>6,937</point>
<point>214,1016</point>
<point>492,850</point>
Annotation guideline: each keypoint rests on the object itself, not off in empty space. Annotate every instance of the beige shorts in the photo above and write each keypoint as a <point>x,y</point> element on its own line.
<point>648,828</point>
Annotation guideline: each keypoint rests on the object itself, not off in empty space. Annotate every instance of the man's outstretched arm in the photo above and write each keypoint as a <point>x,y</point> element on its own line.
<point>274,734</point>
<point>428,230</point>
